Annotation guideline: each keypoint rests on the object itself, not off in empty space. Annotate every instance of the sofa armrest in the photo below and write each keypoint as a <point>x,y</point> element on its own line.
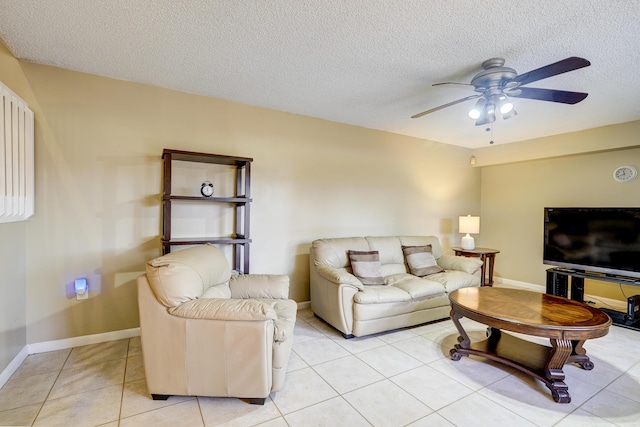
<point>224,309</point>
<point>339,276</point>
<point>273,286</point>
<point>460,263</point>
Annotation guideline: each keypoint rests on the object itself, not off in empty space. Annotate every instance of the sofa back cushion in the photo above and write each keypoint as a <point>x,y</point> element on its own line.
<point>391,256</point>
<point>199,271</point>
<point>335,252</point>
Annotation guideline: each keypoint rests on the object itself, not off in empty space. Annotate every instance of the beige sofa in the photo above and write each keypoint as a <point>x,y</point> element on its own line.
<point>206,332</point>
<point>403,299</point>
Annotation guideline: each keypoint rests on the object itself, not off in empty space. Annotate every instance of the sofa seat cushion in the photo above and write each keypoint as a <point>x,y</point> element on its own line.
<point>376,294</point>
<point>365,312</point>
<point>453,280</point>
<point>405,288</point>
<point>422,288</point>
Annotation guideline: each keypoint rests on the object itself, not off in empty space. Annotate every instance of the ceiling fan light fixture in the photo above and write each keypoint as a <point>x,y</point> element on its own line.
<point>476,111</point>
<point>506,107</point>
<point>510,114</point>
<point>488,114</point>
<point>503,102</point>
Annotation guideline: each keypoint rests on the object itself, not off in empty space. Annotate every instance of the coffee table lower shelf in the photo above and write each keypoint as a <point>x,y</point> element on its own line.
<point>531,358</point>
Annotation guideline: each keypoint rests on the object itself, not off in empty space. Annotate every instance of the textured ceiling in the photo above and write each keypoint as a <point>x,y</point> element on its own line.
<point>368,63</point>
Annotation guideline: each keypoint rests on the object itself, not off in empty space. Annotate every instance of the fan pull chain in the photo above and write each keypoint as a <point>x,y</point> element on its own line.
<point>490,128</point>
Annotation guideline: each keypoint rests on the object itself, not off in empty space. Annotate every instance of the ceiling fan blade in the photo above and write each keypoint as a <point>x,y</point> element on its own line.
<point>569,64</point>
<point>449,104</point>
<point>552,95</point>
<point>452,83</point>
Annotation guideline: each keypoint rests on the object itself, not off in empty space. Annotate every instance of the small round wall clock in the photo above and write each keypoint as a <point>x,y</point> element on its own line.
<point>207,189</point>
<point>625,173</point>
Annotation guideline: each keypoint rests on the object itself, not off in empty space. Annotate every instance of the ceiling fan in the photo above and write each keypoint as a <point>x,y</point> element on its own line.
<point>496,83</point>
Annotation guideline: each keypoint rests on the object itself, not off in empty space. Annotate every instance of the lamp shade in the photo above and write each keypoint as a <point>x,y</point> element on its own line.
<point>469,224</point>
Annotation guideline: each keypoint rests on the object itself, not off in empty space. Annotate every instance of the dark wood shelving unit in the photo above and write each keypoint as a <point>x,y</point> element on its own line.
<point>240,201</point>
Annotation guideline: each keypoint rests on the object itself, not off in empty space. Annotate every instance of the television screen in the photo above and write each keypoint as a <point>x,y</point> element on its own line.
<point>603,240</point>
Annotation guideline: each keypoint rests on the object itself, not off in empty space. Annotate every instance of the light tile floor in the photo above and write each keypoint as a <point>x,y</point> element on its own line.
<point>400,378</point>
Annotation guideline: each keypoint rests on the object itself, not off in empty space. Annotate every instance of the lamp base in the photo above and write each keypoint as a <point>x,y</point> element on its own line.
<point>468,242</point>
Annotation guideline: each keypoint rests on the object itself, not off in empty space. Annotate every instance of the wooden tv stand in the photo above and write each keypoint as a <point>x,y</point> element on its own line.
<point>569,283</point>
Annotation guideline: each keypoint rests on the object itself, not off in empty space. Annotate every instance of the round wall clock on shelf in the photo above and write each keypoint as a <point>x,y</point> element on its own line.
<point>207,189</point>
<point>625,173</point>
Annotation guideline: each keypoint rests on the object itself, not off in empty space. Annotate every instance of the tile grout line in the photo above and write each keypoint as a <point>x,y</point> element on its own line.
<point>124,379</point>
<point>51,389</point>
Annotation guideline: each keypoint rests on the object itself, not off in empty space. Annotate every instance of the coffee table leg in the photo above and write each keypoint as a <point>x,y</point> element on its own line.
<point>463,339</point>
<point>579,356</point>
<point>560,352</point>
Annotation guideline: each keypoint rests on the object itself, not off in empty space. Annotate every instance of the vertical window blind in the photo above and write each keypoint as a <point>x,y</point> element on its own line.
<point>16,158</point>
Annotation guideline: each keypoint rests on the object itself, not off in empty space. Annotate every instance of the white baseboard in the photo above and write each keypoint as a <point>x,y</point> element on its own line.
<point>502,282</point>
<point>62,344</point>
<point>13,365</point>
<point>303,305</point>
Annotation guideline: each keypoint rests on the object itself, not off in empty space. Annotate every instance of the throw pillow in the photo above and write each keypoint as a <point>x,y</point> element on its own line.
<point>366,267</point>
<point>420,260</point>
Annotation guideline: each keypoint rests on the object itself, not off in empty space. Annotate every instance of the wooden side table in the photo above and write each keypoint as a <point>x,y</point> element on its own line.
<point>487,256</point>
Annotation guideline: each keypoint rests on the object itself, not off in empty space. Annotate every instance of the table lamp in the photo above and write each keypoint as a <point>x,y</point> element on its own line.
<point>468,224</point>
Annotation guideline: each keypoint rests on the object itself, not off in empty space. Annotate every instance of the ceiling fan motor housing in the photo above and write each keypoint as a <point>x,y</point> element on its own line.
<point>493,75</point>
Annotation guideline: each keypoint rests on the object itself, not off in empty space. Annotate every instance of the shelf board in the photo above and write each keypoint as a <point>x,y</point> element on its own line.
<point>239,199</point>
<point>232,240</point>
<point>188,156</point>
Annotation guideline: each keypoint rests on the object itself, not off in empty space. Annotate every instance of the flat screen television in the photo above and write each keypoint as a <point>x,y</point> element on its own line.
<point>601,240</point>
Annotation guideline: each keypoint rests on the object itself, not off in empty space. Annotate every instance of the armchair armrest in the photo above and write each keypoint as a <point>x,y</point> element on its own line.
<point>268,286</point>
<point>453,262</point>
<point>224,309</point>
<point>339,276</point>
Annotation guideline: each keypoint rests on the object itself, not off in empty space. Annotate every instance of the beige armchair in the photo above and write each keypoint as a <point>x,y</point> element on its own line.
<point>206,332</point>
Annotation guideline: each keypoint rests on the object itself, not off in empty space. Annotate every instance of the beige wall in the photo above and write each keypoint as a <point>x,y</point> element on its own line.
<point>98,182</point>
<point>13,326</point>
<point>605,138</point>
<point>514,195</point>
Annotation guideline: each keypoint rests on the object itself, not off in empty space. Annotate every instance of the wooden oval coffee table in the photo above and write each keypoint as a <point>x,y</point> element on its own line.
<point>567,323</point>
